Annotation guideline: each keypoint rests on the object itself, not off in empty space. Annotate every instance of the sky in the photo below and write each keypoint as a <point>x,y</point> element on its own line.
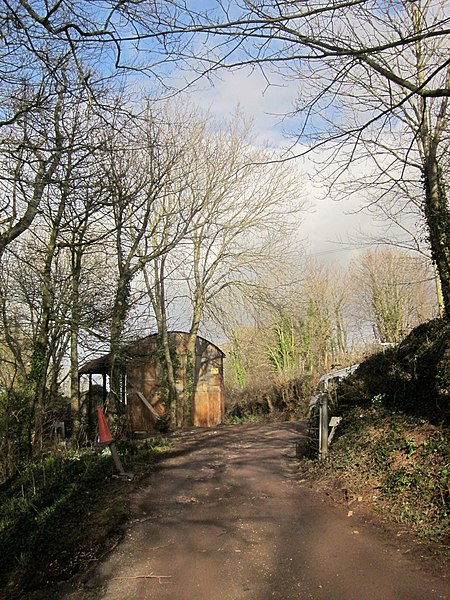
<point>329,225</point>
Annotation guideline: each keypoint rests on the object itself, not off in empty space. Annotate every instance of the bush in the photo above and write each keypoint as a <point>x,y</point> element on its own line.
<point>14,441</point>
<point>413,377</point>
<point>269,400</point>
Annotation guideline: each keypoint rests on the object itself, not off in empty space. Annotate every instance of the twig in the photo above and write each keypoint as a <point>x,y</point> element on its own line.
<point>151,576</point>
<point>158,547</point>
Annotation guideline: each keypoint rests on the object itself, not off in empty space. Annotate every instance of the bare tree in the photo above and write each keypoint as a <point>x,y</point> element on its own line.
<point>316,310</point>
<point>37,157</point>
<point>45,264</point>
<point>30,155</point>
<point>47,51</point>
<point>393,292</point>
<point>39,40</point>
<point>403,157</point>
<point>321,40</point>
<point>246,209</point>
<point>235,32</point>
<point>398,53</point>
<point>149,215</point>
<point>284,35</point>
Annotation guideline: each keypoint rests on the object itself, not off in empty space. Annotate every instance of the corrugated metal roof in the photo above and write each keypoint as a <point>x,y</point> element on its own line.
<point>98,366</point>
<point>101,365</point>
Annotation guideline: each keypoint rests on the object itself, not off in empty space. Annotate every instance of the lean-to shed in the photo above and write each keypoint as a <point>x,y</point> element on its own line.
<point>142,377</point>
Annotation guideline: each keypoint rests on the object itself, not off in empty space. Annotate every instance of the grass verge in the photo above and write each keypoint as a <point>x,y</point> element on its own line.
<point>62,511</point>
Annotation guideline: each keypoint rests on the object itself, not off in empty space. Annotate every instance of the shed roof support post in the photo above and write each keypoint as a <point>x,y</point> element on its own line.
<point>104,392</point>
<point>90,424</point>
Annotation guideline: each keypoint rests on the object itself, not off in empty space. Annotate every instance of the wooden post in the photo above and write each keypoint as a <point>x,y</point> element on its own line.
<point>90,424</point>
<point>323,427</point>
<point>116,459</point>
<point>104,392</point>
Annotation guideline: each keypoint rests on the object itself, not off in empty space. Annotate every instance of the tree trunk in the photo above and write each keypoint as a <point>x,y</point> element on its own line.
<point>190,371</point>
<point>74,332</point>
<point>439,297</point>
<point>437,216</point>
<point>41,355</point>
<point>117,360</point>
<point>157,295</point>
<point>169,370</point>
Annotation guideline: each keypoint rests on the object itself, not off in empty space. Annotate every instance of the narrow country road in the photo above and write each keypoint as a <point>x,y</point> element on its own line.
<point>225,518</point>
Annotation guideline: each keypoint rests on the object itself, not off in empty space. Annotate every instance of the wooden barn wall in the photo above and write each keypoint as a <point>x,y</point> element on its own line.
<point>208,399</point>
<point>143,376</point>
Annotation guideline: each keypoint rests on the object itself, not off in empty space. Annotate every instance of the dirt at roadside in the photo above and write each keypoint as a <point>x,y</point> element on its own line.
<point>226,517</point>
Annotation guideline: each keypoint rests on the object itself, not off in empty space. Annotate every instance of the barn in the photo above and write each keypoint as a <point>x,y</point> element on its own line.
<point>141,381</point>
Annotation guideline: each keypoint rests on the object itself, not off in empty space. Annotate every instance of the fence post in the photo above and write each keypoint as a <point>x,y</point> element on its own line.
<point>323,426</point>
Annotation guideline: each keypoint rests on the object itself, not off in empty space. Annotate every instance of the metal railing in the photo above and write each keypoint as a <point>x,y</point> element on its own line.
<point>321,426</point>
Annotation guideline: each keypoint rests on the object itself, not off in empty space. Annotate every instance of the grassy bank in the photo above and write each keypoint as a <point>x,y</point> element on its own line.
<point>392,450</point>
<point>398,465</point>
<point>64,510</point>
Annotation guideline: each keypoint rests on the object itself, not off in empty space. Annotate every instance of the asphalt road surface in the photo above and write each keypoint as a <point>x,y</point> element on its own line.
<point>225,517</point>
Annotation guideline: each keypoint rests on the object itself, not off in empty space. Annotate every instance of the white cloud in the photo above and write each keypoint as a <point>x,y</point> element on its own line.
<point>264,101</point>
<point>329,224</point>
